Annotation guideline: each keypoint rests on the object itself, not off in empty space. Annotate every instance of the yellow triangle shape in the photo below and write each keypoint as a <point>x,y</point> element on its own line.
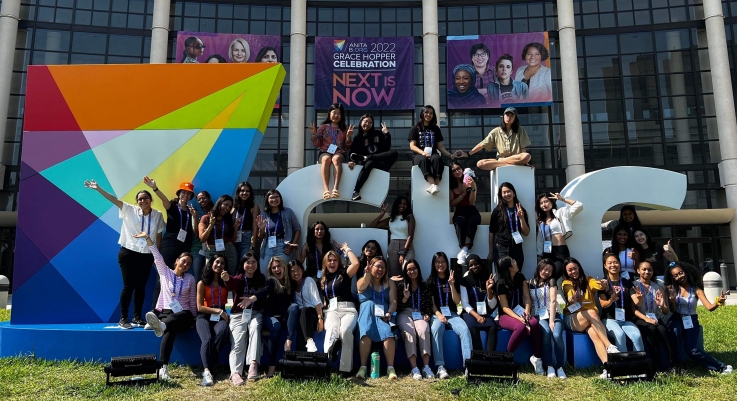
<point>222,119</point>
<point>261,96</point>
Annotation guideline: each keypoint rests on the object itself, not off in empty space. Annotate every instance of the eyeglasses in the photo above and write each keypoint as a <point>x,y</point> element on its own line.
<point>480,55</point>
<point>456,169</point>
<point>143,199</point>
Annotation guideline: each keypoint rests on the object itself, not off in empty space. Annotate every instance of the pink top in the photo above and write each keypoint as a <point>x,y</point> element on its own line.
<point>184,288</point>
<point>324,138</point>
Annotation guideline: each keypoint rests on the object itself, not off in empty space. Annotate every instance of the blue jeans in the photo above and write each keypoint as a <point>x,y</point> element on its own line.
<point>293,314</point>
<point>553,343</point>
<point>620,331</point>
<point>274,325</point>
<point>198,264</point>
<point>690,339</point>
<point>438,331</point>
<point>244,245</point>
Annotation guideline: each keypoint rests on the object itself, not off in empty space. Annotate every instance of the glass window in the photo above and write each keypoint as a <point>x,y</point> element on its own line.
<point>52,40</point>
<point>640,86</point>
<point>672,40</point>
<point>639,64</point>
<point>85,42</point>
<point>606,66</point>
<point>636,42</point>
<point>125,45</point>
<point>601,45</point>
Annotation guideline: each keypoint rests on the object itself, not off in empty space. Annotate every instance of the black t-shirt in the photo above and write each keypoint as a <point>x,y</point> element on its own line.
<point>428,136</point>
<point>338,285</point>
<point>514,294</point>
<point>444,291</point>
<point>371,142</point>
<point>247,222</point>
<point>624,302</point>
<point>654,255</point>
<point>275,224</point>
<point>273,303</point>
<point>177,219</point>
<point>505,92</point>
<point>501,227</point>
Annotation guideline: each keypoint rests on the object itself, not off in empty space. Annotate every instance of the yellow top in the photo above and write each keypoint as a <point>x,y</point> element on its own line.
<point>587,301</point>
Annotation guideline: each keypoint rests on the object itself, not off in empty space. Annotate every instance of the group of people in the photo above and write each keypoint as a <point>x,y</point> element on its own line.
<point>325,286</point>
<point>479,84</point>
<point>239,51</point>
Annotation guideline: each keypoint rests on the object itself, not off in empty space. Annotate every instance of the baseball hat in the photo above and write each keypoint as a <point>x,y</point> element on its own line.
<point>511,110</point>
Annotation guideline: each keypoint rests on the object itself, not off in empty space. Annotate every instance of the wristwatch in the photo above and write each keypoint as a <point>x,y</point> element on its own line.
<point>402,253</point>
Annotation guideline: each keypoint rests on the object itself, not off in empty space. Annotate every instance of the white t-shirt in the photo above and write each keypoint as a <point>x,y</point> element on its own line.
<point>309,297</point>
<point>134,222</point>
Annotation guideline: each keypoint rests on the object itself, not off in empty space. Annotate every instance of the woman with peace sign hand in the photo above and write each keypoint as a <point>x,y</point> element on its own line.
<point>333,138</point>
<point>554,227</point>
<point>371,149</point>
<point>651,306</point>
<point>507,226</point>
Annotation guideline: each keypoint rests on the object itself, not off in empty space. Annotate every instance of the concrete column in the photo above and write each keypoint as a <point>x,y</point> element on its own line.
<point>9,16</point>
<point>160,32</point>
<point>430,63</point>
<point>724,103</point>
<point>297,84</point>
<point>571,99</point>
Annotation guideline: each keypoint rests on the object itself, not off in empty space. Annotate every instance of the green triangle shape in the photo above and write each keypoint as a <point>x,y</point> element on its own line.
<point>261,96</point>
<point>198,114</point>
<point>70,174</point>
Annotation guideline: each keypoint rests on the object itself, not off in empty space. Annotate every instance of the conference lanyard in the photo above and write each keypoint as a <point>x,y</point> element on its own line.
<point>247,293</point>
<point>317,258</point>
<point>648,296</point>
<point>412,295</point>
<point>440,293</point>
<point>549,235</point>
<point>174,289</point>
<point>276,225</point>
<point>222,230</point>
<point>212,295</point>
<point>242,218</point>
<point>143,219</point>
<point>513,227</point>
<point>688,301</point>
<point>334,135</point>
<point>537,298</point>
<point>332,287</point>
<point>621,294</point>
<point>428,139</point>
<point>182,219</point>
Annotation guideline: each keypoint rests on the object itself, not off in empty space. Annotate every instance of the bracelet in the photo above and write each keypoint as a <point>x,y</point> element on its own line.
<point>348,250</point>
<point>156,189</point>
<point>319,318</point>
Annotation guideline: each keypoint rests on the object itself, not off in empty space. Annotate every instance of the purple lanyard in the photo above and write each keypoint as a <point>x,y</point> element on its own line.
<point>334,135</point>
<point>513,227</point>
<point>333,287</point>
<point>412,296</point>
<point>222,229</point>
<point>246,294</point>
<point>143,219</point>
<point>182,220</point>
<point>212,295</point>
<point>648,296</point>
<point>242,215</point>
<point>440,293</point>
<point>276,225</point>
<point>317,259</point>
<point>550,231</point>
<point>429,135</point>
<point>537,298</point>
<point>174,290</point>
<point>621,294</point>
<point>688,301</point>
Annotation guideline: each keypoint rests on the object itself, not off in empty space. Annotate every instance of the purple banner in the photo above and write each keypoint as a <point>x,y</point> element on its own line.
<point>365,73</point>
<point>203,47</point>
<point>496,71</point>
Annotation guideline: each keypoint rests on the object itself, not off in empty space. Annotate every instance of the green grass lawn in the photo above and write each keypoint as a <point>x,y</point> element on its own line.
<point>33,379</point>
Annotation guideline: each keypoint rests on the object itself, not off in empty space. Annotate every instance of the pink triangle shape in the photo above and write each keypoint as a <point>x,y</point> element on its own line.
<point>97,138</point>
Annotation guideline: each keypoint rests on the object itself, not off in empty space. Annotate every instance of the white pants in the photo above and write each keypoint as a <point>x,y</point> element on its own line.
<point>341,323</point>
<point>241,331</point>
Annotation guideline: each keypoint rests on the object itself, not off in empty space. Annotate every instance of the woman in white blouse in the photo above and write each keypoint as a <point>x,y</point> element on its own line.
<point>535,74</point>
<point>307,297</point>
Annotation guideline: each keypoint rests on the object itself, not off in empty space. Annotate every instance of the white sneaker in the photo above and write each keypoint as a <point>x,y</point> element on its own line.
<point>429,189</point>
<point>561,374</point>
<point>727,370</point>
<point>207,379</point>
<point>428,372</point>
<point>416,374</point>
<point>604,375</point>
<point>442,373</point>
<point>434,189</point>
<point>551,372</point>
<point>158,326</point>
<point>462,255</point>
<point>148,327</point>
<point>164,372</point>
<point>612,349</point>
<point>311,347</point>
<point>537,363</point>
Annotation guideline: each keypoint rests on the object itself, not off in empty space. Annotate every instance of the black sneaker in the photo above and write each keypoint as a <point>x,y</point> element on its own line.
<point>355,157</point>
<point>123,323</point>
<point>333,350</point>
<point>138,322</point>
<point>356,196</point>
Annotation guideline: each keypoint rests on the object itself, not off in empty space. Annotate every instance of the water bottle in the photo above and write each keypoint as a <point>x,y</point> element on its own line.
<point>375,365</point>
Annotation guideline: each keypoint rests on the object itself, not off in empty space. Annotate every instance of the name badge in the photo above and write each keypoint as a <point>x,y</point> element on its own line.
<point>182,236</point>
<point>548,247</point>
<point>619,314</point>
<point>333,304</point>
<point>687,322</point>
<point>272,241</point>
<point>247,315</point>
<point>428,150</point>
<point>481,308</point>
<point>416,315</point>
<point>220,245</point>
<point>519,310</point>
<point>379,310</point>
<point>215,317</point>
<point>175,306</point>
<point>332,148</point>
<point>239,236</point>
<point>445,310</point>
<point>319,274</point>
<point>517,237</point>
<point>140,244</point>
<point>201,252</point>
<point>545,314</point>
<point>625,275</point>
<point>651,316</point>
<point>574,307</point>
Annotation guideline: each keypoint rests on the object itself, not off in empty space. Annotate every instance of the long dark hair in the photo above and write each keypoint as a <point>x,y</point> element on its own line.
<point>208,275</point>
<point>581,283</point>
<point>454,183</point>
<point>420,124</point>
<point>362,258</point>
<point>190,41</point>
<point>541,265</point>
<point>693,276</point>
<point>541,215</point>
<point>258,276</point>
<point>261,53</point>
<point>327,243</point>
<point>515,123</point>
<point>341,123</point>
<point>615,244</point>
<point>227,217</point>
<point>395,208</point>
<point>648,240</point>
<point>207,195</point>
<point>405,277</point>
<point>505,279</point>
<point>635,222</point>
<point>501,204</point>
<point>237,203</point>
<point>267,208</point>
<point>361,132</point>
<point>434,271</point>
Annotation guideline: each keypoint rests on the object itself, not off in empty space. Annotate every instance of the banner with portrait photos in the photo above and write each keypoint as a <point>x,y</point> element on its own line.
<point>497,71</point>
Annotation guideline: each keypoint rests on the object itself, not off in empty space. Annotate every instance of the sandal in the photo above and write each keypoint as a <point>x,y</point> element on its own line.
<point>326,195</point>
<point>335,194</point>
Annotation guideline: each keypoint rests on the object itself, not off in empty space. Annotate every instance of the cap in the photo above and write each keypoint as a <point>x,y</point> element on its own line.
<point>510,110</point>
<point>186,186</point>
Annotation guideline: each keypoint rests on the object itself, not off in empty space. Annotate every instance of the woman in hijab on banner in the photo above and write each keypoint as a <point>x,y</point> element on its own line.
<point>464,93</point>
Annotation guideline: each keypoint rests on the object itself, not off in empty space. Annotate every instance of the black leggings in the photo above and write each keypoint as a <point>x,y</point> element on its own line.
<point>175,323</point>
<point>476,328</point>
<point>466,220</point>
<point>383,161</point>
<point>135,267</point>
<point>308,322</point>
<point>653,335</point>
<point>559,254</point>
<point>432,166</point>
<point>514,251</point>
<point>213,335</point>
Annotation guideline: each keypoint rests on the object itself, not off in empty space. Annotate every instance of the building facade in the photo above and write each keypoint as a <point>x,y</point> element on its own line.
<point>654,86</point>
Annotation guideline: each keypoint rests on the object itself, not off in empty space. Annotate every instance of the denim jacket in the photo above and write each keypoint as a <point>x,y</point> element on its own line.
<point>290,222</point>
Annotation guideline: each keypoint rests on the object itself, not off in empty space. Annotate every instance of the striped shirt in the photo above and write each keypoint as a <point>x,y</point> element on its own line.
<point>184,288</point>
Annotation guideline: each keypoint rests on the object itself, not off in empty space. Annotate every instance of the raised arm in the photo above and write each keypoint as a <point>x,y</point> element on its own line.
<point>353,267</point>
<point>92,184</point>
<point>378,222</point>
<point>152,184</point>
